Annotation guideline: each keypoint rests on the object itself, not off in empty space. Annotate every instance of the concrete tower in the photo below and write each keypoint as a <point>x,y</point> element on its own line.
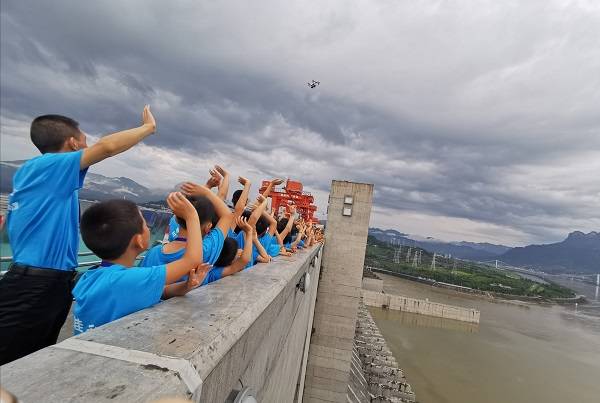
<point>338,295</point>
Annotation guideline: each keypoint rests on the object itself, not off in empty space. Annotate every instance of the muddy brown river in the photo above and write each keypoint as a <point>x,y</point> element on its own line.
<point>518,353</point>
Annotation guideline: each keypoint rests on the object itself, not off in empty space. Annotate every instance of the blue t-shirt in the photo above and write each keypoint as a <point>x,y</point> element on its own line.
<point>173,228</point>
<point>266,240</point>
<point>274,249</point>
<point>156,256</point>
<point>109,293</point>
<point>212,245</point>
<point>43,211</point>
<point>240,239</point>
<point>216,273</point>
<point>269,242</point>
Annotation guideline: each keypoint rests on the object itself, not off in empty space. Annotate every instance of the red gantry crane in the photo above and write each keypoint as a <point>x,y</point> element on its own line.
<point>292,193</point>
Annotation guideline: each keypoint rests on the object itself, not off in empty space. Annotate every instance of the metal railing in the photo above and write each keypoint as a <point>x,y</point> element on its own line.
<point>9,259</point>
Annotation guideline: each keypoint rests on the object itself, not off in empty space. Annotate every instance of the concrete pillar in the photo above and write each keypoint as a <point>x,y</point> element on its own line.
<point>330,353</point>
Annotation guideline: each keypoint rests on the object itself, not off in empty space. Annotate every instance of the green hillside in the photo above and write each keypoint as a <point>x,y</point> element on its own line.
<point>459,272</point>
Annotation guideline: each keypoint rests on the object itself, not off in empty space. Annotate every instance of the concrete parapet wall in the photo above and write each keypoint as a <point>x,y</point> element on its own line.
<point>419,306</point>
<point>246,330</point>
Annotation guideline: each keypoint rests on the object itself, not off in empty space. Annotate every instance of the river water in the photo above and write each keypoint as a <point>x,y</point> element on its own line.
<point>518,353</point>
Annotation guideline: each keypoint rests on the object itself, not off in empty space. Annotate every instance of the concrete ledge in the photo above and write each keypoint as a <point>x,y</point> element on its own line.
<point>251,327</point>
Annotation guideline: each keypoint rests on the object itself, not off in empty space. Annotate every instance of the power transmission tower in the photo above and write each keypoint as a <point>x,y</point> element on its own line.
<point>396,256</point>
<point>433,261</point>
<point>408,255</point>
<point>415,258</point>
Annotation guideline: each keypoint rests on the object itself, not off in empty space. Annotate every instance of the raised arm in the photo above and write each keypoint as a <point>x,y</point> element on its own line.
<point>301,230</point>
<point>240,205</point>
<point>225,215</point>
<point>193,250</point>
<point>260,204</point>
<point>241,262</point>
<point>290,223</point>
<point>272,222</point>
<point>271,185</point>
<point>263,256</point>
<point>214,180</point>
<point>224,186</point>
<point>116,143</point>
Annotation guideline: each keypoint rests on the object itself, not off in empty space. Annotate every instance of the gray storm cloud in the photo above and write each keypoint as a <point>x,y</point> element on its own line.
<point>483,118</point>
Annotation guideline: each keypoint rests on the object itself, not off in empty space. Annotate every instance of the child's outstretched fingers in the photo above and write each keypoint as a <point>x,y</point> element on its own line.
<point>193,189</point>
<point>148,118</point>
<point>180,205</point>
<point>202,270</point>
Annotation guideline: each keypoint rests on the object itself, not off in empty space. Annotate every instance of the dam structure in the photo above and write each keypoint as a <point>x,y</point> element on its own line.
<point>280,332</point>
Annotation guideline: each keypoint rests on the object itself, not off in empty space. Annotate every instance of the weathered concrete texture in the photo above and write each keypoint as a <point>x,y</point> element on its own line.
<point>372,284</point>
<point>330,354</point>
<point>57,375</point>
<point>385,381</point>
<point>358,387</point>
<point>419,306</point>
<point>247,329</point>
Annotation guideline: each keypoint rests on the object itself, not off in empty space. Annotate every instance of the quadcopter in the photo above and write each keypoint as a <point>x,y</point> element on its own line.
<point>313,84</point>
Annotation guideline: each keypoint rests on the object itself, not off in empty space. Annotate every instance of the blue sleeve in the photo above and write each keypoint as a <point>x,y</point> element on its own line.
<point>214,274</point>
<point>240,239</point>
<point>212,244</point>
<point>173,228</point>
<point>231,233</point>
<point>266,241</point>
<point>140,287</point>
<point>151,257</point>
<point>67,173</point>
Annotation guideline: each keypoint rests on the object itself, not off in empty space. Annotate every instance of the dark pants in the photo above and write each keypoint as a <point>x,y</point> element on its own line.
<point>34,304</point>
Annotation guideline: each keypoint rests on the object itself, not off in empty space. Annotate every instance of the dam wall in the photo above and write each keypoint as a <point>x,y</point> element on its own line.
<point>247,331</point>
<point>419,306</point>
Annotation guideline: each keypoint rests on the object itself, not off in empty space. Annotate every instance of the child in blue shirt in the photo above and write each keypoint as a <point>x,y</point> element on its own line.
<point>43,228</point>
<point>206,204</point>
<point>253,217</point>
<point>227,264</point>
<point>116,232</point>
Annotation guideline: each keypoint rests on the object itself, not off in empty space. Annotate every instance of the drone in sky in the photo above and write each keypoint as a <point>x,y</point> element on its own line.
<point>313,84</point>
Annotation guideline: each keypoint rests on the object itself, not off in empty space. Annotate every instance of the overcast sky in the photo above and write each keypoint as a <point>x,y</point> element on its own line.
<point>476,121</point>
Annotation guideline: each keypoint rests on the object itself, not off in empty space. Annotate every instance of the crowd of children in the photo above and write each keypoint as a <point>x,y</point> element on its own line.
<point>207,240</point>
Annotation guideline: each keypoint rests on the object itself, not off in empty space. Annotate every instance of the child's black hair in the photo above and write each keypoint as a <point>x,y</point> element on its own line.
<point>107,227</point>
<point>230,248</point>
<point>290,236</point>
<point>281,224</point>
<point>262,225</point>
<point>204,208</point>
<point>236,196</point>
<point>49,132</point>
<point>246,214</point>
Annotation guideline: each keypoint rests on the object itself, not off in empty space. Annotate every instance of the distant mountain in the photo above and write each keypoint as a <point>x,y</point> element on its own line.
<point>95,186</point>
<point>461,250</point>
<point>579,252</point>
<point>484,246</point>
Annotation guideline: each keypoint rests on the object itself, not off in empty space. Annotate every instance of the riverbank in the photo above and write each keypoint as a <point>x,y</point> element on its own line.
<point>482,294</point>
<point>520,352</point>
